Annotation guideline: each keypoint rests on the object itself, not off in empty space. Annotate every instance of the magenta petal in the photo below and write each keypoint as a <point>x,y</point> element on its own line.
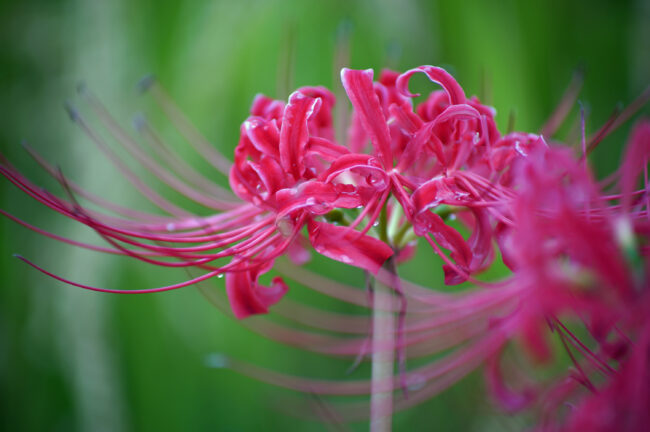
<point>347,246</point>
<point>437,75</point>
<point>328,98</point>
<point>427,222</point>
<point>509,399</point>
<point>313,196</point>
<point>271,174</point>
<point>326,148</point>
<point>480,242</point>
<point>360,89</point>
<point>364,165</point>
<point>406,119</point>
<point>356,135</point>
<point>298,252</point>
<point>294,132</point>
<point>503,235</point>
<point>458,112</point>
<point>439,190</point>
<point>243,181</point>
<point>452,277</point>
<point>418,143</point>
<point>264,135</point>
<point>267,108</point>
<point>247,297</point>
<point>322,123</point>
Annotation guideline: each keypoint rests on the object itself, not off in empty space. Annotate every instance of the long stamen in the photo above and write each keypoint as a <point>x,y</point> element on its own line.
<point>145,190</point>
<point>145,160</point>
<point>184,126</point>
<point>567,102</point>
<point>163,150</point>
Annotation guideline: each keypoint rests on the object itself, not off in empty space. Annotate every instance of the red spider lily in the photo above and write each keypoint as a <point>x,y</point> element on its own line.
<point>577,248</point>
<point>290,173</point>
<point>576,254</point>
<point>287,171</point>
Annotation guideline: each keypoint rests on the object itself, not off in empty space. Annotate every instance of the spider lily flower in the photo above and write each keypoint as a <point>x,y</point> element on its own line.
<point>287,172</point>
<point>441,148</point>
<point>284,166</point>
<point>576,247</point>
<point>576,253</point>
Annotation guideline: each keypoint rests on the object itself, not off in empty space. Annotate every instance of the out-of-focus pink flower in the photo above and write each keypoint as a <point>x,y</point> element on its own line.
<point>577,254</point>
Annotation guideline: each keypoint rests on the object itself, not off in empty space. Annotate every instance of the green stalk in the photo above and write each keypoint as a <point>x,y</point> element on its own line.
<point>383,345</point>
<point>383,356</point>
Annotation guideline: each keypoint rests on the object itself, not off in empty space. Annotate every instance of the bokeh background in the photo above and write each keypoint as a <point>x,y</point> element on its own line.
<point>75,360</point>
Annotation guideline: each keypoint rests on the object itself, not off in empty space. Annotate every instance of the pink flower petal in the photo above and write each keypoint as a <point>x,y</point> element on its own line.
<point>267,108</point>
<point>438,190</point>
<point>247,297</point>
<point>316,197</point>
<point>359,87</point>
<point>437,75</point>
<point>347,246</point>
<point>264,135</point>
<point>364,165</point>
<point>294,132</point>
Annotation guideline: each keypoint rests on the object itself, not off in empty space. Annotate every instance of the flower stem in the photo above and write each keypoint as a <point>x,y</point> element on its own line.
<point>383,356</point>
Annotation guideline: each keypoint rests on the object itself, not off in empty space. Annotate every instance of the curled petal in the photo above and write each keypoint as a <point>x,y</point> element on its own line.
<point>271,175</point>
<point>247,297</point>
<point>325,148</point>
<point>257,182</point>
<point>387,81</point>
<point>316,197</point>
<point>319,92</point>
<point>480,242</point>
<point>267,108</point>
<point>359,87</point>
<point>243,181</point>
<point>356,135</point>
<point>322,120</point>
<point>347,246</point>
<point>406,119</point>
<point>438,75</point>
<point>298,252</point>
<point>458,112</point>
<point>364,165</point>
<point>427,222</point>
<point>427,133</point>
<point>503,235</point>
<point>418,143</point>
<point>511,400</point>
<point>438,190</point>
<point>264,135</point>
<point>294,132</point>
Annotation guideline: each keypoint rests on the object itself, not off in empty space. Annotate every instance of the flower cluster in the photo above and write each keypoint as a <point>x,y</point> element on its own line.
<point>576,247</point>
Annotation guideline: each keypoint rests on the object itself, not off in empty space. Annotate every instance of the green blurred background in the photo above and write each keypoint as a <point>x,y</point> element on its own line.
<point>75,360</point>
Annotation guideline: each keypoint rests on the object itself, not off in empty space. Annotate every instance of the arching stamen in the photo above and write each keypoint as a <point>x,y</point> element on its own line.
<point>185,127</point>
<point>145,190</point>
